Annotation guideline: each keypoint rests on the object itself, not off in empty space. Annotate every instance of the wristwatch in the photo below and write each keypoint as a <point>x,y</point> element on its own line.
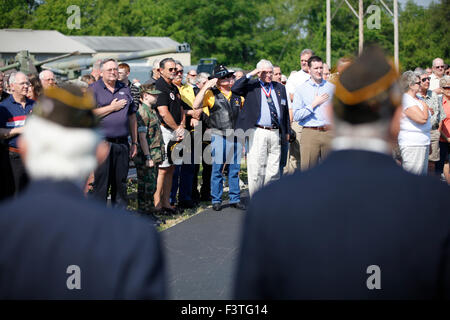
<point>135,143</point>
<point>147,157</point>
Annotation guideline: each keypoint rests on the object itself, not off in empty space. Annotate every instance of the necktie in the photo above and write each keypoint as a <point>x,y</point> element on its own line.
<point>267,89</point>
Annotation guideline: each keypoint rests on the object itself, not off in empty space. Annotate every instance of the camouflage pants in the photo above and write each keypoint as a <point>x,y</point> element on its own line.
<point>146,178</point>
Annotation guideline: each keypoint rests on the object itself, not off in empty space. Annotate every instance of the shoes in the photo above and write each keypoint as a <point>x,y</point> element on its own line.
<point>186,204</point>
<point>238,205</point>
<point>217,206</point>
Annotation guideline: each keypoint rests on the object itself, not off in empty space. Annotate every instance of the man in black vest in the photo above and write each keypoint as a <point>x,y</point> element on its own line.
<point>223,107</point>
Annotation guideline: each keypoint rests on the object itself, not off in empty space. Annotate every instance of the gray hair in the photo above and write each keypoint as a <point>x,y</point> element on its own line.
<point>307,51</point>
<point>202,76</point>
<point>42,74</point>
<point>408,78</point>
<point>419,72</point>
<point>264,63</point>
<point>12,77</point>
<point>436,60</point>
<point>106,61</point>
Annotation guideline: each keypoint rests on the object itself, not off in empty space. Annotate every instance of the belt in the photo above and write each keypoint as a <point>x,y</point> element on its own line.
<point>267,128</point>
<point>12,149</point>
<point>117,140</point>
<point>321,128</point>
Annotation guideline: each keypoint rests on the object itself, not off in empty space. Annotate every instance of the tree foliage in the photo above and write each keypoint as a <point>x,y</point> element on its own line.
<point>240,32</point>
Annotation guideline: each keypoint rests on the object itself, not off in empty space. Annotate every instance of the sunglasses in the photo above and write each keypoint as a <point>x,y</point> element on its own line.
<point>192,75</point>
<point>180,71</point>
<point>172,69</point>
<point>426,79</point>
<point>446,88</point>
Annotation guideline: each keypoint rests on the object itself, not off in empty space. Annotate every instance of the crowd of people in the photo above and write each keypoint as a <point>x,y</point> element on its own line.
<point>312,234</point>
<point>173,129</point>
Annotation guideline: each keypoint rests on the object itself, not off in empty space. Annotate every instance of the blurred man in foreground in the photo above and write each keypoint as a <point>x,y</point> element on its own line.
<point>55,244</point>
<point>360,226</point>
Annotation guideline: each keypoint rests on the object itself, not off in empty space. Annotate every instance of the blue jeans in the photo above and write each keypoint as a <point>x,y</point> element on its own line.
<point>223,151</point>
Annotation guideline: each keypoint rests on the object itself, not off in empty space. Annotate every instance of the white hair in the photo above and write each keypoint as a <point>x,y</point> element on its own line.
<point>57,152</point>
<point>44,72</point>
<point>435,61</point>
<point>263,63</point>
<point>12,77</point>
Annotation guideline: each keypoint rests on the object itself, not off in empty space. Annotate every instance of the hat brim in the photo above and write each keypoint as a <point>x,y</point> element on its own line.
<point>222,76</point>
<point>153,91</point>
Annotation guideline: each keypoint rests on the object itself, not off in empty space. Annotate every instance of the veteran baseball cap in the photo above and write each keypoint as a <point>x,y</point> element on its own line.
<point>67,106</point>
<point>367,90</point>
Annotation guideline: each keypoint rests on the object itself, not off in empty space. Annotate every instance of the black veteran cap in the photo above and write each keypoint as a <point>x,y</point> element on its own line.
<point>221,72</point>
<point>367,90</point>
<point>67,106</point>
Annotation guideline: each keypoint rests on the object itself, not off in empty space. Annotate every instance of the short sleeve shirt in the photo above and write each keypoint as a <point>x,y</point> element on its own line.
<point>116,123</point>
<point>13,115</point>
<point>169,97</point>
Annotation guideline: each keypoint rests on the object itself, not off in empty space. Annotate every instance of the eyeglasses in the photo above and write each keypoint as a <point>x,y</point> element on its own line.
<point>426,79</point>
<point>112,70</point>
<point>439,67</point>
<point>50,80</point>
<point>24,84</point>
<point>417,82</point>
<point>192,75</point>
<point>180,71</point>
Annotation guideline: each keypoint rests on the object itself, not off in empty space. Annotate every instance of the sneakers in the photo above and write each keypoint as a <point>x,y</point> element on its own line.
<point>217,206</point>
<point>238,205</point>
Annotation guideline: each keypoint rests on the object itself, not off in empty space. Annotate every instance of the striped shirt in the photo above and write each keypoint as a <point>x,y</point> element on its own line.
<point>13,115</point>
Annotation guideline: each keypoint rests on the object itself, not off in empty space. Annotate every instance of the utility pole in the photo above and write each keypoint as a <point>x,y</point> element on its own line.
<point>329,33</point>
<point>360,17</point>
<point>361,27</point>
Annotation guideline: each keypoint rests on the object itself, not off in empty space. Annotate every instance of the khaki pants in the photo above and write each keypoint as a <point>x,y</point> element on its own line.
<point>263,159</point>
<point>293,159</point>
<point>315,144</point>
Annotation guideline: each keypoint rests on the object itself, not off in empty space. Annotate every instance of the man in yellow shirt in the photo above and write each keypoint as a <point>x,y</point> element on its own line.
<point>222,106</point>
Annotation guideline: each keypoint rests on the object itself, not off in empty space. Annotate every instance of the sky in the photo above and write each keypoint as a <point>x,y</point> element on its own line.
<point>423,3</point>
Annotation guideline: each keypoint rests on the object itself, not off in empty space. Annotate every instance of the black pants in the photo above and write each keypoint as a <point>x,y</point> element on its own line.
<point>14,177</point>
<point>205,191</point>
<point>113,172</point>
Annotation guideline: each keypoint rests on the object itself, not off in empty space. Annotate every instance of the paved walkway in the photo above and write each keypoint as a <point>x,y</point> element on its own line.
<point>201,254</point>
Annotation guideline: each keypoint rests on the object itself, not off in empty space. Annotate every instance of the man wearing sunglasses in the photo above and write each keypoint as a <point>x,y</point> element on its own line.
<point>172,119</point>
<point>438,114</point>
<point>438,72</point>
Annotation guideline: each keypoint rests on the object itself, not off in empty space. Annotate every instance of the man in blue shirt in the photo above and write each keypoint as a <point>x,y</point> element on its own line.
<point>312,110</point>
<point>117,111</point>
<point>13,113</point>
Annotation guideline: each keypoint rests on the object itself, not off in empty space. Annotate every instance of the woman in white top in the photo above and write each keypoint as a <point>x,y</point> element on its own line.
<point>415,126</point>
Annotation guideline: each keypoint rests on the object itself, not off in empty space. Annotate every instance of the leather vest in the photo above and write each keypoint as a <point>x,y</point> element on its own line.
<point>224,113</point>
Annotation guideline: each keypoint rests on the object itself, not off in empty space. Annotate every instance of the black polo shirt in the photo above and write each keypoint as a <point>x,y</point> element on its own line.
<point>169,97</point>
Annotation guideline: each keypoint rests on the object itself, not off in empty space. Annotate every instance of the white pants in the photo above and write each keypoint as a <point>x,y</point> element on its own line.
<point>263,158</point>
<point>415,159</point>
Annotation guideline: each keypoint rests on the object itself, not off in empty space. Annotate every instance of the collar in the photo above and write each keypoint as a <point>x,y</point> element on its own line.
<point>117,85</point>
<point>366,144</point>
<point>313,83</point>
<point>27,101</point>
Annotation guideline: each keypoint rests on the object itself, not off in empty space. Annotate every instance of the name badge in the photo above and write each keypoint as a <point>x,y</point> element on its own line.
<point>283,102</point>
<point>122,93</point>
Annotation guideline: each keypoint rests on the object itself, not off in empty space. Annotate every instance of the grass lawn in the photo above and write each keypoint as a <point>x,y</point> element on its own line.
<point>175,219</point>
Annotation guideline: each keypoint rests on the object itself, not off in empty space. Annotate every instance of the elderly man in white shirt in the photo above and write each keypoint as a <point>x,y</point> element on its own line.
<point>438,73</point>
<point>293,83</point>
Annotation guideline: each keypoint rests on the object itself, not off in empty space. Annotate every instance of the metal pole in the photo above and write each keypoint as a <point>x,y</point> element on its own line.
<point>361,26</point>
<point>329,34</point>
<point>396,34</point>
